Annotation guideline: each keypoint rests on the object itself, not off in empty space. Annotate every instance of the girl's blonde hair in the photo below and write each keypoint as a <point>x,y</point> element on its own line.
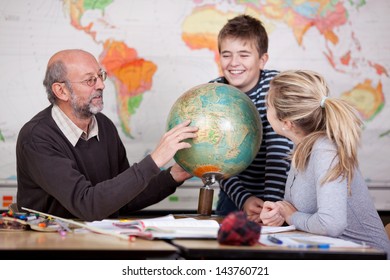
<point>301,97</point>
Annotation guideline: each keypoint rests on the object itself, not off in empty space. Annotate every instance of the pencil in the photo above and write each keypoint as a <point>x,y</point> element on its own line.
<point>82,225</point>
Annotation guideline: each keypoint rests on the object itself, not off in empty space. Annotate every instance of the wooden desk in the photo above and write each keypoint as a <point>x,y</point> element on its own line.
<point>210,249</point>
<point>78,246</point>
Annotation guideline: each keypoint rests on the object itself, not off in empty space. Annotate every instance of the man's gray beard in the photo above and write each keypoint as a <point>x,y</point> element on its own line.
<point>88,110</point>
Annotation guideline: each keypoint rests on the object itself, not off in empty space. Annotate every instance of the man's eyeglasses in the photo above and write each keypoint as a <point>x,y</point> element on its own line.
<point>93,79</point>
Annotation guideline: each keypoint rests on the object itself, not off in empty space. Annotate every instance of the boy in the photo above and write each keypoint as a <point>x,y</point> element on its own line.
<point>243,46</point>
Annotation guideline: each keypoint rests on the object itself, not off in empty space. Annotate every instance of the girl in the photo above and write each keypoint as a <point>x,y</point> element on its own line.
<point>325,191</point>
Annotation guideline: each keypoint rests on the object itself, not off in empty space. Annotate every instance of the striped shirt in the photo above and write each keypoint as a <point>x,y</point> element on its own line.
<point>266,176</point>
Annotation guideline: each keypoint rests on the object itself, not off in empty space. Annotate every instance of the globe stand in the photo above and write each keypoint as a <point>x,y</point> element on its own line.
<point>206,194</point>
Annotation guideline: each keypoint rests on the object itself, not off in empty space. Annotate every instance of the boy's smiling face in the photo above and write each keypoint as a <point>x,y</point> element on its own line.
<point>241,63</point>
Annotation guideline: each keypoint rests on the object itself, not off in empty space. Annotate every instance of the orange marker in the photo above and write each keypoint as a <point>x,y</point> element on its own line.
<point>42,225</point>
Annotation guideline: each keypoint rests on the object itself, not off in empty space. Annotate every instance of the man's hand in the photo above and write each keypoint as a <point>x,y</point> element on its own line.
<point>179,174</point>
<point>252,208</point>
<point>171,142</point>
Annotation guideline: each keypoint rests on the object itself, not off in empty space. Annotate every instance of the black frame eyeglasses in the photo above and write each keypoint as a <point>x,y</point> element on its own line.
<point>91,81</point>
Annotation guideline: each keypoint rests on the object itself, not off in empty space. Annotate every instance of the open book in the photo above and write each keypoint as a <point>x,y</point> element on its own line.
<point>166,227</point>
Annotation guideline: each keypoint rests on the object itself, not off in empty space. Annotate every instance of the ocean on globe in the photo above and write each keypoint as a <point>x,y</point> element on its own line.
<point>229,135</point>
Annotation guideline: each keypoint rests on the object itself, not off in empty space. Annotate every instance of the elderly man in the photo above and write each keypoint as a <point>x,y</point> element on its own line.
<point>70,159</point>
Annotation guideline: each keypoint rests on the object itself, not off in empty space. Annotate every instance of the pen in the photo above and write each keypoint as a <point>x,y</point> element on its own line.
<point>309,246</point>
<point>323,246</point>
<point>275,240</point>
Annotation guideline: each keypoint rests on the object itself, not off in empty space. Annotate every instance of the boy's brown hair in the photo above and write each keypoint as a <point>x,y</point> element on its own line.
<point>245,27</point>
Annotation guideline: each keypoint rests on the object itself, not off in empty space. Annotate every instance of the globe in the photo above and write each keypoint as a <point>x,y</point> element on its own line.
<point>229,135</point>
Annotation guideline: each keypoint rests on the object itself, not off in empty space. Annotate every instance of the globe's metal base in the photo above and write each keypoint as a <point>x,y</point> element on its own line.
<point>210,178</point>
<point>206,193</point>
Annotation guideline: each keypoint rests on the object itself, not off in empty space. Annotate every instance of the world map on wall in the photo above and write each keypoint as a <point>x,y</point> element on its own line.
<point>153,51</point>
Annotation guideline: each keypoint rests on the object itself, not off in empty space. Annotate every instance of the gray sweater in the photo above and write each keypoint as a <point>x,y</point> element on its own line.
<point>329,209</point>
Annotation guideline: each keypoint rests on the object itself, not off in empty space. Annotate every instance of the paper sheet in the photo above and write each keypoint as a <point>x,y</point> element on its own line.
<point>306,240</point>
<point>268,229</point>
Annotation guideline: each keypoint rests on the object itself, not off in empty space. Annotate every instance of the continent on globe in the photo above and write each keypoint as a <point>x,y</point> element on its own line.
<point>229,135</point>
